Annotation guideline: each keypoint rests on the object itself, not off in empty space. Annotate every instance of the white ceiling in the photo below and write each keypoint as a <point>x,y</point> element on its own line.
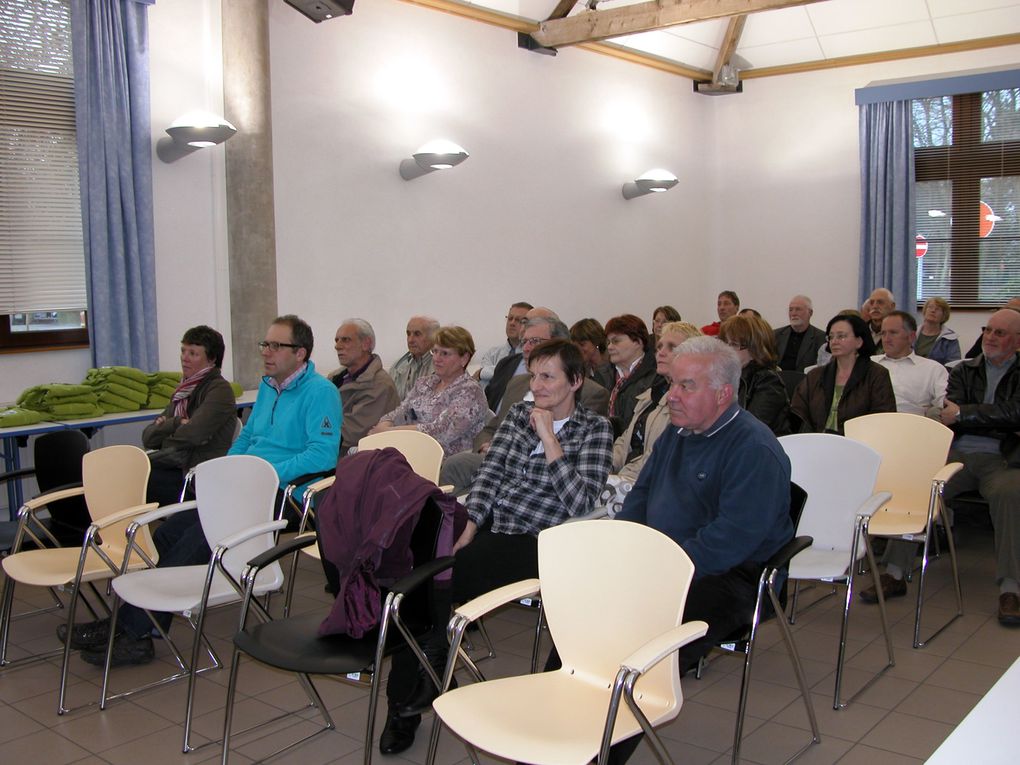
<point>814,33</point>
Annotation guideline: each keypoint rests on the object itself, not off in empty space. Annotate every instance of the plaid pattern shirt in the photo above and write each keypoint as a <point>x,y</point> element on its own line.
<point>522,492</point>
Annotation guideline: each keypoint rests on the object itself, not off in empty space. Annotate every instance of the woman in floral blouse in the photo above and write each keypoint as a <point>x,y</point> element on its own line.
<point>448,404</point>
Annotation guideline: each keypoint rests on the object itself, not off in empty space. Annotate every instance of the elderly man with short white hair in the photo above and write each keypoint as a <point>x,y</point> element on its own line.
<point>366,391</point>
<point>798,342</point>
<point>417,362</point>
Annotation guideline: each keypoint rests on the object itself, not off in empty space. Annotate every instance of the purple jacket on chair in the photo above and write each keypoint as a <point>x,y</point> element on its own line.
<point>365,524</point>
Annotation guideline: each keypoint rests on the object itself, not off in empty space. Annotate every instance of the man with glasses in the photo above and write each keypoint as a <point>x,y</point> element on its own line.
<point>983,409</point>
<point>296,421</point>
<point>514,364</point>
<point>515,319</point>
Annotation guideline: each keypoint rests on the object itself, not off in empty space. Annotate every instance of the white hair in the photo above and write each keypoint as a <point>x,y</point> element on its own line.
<point>723,366</point>
<point>365,331</point>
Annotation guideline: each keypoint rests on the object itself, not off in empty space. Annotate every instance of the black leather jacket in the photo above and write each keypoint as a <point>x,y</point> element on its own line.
<point>1000,420</point>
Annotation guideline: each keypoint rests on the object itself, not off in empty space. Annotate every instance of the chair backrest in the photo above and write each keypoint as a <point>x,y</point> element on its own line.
<point>838,475</point>
<point>116,478</point>
<point>913,450</point>
<point>607,588</point>
<point>58,459</point>
<point>235,493</point>
<point>423,453</point>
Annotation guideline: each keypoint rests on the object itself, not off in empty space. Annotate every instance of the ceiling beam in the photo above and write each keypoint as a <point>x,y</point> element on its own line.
<point>593,26</point>
<point>729,44</point>
<point>562,9</point>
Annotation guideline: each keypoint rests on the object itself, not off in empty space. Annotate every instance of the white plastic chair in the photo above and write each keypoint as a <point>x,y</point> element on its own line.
<point>839,476</point>
<point>614,595</point>
<point>236,502</point>
<point>914,470</point>
<point>114,481</point>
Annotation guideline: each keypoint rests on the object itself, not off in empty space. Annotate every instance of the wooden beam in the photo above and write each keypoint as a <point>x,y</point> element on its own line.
<point>644,17</point>
<point>562,9</point>
<point>729,44</point>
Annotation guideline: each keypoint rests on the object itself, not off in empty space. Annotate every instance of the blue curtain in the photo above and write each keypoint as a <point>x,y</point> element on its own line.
<point>111,81</point>
<point>887,202</point>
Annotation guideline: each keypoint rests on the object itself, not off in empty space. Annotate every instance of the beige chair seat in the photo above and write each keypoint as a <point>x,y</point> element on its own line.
<point>56,567</point>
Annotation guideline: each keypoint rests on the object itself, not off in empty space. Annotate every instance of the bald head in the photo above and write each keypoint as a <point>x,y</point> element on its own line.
<point>540,312</point>
<point>1000,338</point>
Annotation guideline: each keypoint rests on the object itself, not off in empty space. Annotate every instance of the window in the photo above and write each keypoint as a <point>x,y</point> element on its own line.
<point>42,268</point>
<point>967,169</point>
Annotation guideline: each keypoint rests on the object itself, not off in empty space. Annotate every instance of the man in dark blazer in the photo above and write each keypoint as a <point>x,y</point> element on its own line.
<point>798,342</point>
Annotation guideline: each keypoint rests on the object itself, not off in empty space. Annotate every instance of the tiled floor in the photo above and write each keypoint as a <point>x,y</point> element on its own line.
<point>902,718</point>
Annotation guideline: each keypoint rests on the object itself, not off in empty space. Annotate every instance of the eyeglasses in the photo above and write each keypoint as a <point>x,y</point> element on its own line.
<point>533,340</point>
<point>1000,333</point>
<point>275,346</point>
<point>840,336</point>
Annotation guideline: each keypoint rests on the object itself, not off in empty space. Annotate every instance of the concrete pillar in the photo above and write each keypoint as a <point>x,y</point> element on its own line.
<point>251,226</point>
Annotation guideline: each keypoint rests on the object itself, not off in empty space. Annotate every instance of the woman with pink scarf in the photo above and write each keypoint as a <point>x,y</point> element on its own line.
<point>199,422</point>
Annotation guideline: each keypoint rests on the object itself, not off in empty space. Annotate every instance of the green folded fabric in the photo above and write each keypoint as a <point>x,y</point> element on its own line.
<point>163,390</point>
<point>173,377</point>
<point>16,416</point>
<point>129,393</point>
<point>127,382</point>
<point>60,390</point>
<point>131,373</point>
<point>72,411</point>
<point>109,399</point>
<point>32,398</point>
<point>157,402</point>
<point>238,390</point>
<point>82,398</point>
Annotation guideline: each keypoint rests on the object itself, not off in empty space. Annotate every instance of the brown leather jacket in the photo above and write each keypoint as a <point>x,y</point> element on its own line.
<point>868,391</point>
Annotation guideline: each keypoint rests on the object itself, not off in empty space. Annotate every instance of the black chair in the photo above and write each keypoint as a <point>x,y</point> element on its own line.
<point>293,644</point>
<point>770,602</point>
<point>57,465</point>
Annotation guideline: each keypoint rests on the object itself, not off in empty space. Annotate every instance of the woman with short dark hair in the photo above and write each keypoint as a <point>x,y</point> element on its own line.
<point>849,386</point>
<point>632,361</point>
<point>200,421</point>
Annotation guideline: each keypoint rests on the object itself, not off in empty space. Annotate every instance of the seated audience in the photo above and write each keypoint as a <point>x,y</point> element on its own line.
<point>515,318</point>
<point>590,337</point>
<point>983,409</point>
<point>294,425</point>
<point>823,352</point>
<point>726,305</point>
<point>633,367</point>
<point>547,463</point>
<point>199,422</point>
<point>850,385</point>
<point>448,404</point>
<point>798,343</point>
<point>977,348</point>
<point>664,314</point>
<point>919,384</point>
<point>367,392</point>
<point>459,469</point>
<point>935,340</point>
<point>762,391</point>
<point>417,362</point>
<point>651,413</point>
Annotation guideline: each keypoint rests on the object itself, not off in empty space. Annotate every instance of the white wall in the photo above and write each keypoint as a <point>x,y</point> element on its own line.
<point>767,203</point>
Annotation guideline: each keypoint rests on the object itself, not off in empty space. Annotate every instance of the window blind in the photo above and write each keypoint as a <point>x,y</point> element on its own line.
<point>41,255</point>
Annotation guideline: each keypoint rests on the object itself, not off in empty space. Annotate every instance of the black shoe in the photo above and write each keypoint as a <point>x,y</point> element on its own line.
<point>126,650</point>
<point>88,636</point>
<point>398,735</point>
<point>891,588</point>
<point>421,698</point>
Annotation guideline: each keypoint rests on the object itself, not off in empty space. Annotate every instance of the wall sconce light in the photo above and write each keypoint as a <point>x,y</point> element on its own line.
<point>191,132</point>
<point>434,155</point>
<point>650,182</point>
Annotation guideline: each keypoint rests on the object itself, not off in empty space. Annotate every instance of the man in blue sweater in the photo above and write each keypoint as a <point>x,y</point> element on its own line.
<point>295,426</point>
<point>719,485</point>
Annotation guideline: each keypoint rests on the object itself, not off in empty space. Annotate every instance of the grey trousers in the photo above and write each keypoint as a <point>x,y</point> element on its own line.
<point>459,471</point>
<point>999,484</point>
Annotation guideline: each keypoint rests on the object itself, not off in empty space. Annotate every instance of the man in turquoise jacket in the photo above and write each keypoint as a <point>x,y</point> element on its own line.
<point>296,422</point>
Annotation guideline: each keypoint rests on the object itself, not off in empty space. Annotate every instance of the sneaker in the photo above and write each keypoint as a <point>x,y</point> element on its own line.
<point>88,636</point>
<point>891,588</point>
<point>1009,609</point>
<point>126,650</point>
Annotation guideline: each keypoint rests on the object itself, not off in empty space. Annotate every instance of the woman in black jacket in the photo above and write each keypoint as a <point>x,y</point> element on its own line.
<point>631,367</point>
<point>762,391</point>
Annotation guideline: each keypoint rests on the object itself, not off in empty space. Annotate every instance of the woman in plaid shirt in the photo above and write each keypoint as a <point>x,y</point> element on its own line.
<point>548,462</point>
